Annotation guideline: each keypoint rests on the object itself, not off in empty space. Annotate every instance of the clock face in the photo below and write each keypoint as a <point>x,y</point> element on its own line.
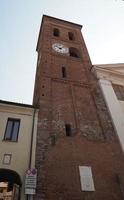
<point>60,48</point>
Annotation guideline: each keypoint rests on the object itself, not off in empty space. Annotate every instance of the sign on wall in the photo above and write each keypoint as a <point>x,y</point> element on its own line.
<point>30,181</point>
<point>86,178</point>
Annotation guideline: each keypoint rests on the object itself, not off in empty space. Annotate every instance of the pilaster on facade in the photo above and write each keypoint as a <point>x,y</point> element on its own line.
<point>111,81</point>
<point>114,108</point>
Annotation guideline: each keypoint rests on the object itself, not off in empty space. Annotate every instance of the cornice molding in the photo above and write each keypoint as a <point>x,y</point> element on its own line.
<point>110,72</point>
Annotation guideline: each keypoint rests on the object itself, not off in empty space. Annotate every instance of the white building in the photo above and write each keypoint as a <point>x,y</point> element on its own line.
<point>111,81</point>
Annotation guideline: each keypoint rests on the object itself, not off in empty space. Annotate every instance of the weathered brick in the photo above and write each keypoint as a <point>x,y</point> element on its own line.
<point>78,101</point>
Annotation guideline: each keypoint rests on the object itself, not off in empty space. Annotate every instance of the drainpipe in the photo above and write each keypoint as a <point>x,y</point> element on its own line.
<point>30,197</point>
<point>32,135</point>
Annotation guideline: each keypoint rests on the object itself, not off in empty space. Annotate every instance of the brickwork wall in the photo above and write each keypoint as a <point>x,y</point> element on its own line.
<point>74,100</point>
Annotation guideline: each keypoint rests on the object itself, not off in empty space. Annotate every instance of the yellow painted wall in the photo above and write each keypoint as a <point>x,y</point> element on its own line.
<point>20,150</point>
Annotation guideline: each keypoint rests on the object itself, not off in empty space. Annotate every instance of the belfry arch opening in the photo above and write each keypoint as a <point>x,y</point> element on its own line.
<point>71,36</point>
<point>10,184</point>
<point>74,52</point>
<point>56,32</point>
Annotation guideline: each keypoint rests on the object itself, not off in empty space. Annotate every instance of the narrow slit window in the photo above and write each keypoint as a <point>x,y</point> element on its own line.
<point>56,32</point>
<point>63,72</point>
<point>68,129</point>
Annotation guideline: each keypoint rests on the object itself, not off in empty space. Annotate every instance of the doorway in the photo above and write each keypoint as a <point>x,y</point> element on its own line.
<point>10,184</point>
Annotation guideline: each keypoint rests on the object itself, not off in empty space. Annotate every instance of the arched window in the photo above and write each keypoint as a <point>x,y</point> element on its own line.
<point>56,32</point>
<point>71,36</point>
<point>74,52</point>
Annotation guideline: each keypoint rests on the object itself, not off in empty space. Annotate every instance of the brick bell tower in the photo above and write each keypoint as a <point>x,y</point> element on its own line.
<point>78,155</point>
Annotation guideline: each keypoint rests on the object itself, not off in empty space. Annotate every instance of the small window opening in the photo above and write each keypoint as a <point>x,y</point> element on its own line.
<point>71,36</point>
<point>68,129</point>
<point>74,52</point>
<point>63,72</point>
<point>53,140</point>
<point>56,32</point>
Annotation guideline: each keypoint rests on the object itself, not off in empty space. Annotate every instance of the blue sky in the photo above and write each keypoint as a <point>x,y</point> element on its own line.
<point>103,31</point>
